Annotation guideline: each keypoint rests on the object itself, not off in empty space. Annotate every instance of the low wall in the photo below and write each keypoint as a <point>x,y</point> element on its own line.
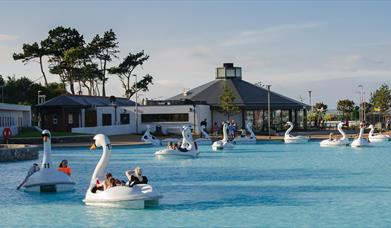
<point>107,130</point>
<point>18,152</point>
<point>59,139</point>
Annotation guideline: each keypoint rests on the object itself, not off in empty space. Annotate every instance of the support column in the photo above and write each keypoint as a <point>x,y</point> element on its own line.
<point>83,117</point>
<point>305,119</point>
<point>243,120</point>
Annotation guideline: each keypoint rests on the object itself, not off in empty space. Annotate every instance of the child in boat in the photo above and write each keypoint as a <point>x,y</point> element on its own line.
<point>243,133</point>
<point>171,146</point>
<point>135,177</point>
<point>111,183</point>
<point>63,167</point>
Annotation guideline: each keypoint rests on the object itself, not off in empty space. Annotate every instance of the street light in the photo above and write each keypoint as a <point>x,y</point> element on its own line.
<point>309,95</point>
<point>362,112</point>
<point>268,107</point>
<point>135,87</point>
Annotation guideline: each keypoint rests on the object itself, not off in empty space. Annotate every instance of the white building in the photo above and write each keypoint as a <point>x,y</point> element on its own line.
<point>14,117</point>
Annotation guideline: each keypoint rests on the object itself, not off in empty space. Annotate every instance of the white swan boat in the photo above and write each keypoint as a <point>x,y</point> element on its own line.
<point>138,196</point>
<point>187,148</point>
<point>205,138</point>
<point>374,138</point>
<point>360,141</point>
<point>288,138</point>
<point>336,142</point>
<point>148,137</point>
<point>48,178</point>
<point>246,139</point>
<point>224,143</point>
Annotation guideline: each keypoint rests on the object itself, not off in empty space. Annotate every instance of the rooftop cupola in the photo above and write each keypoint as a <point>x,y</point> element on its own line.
<point>228,71</point>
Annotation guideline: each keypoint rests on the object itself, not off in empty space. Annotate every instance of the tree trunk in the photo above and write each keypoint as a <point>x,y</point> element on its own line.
<point>71,87</point>
<point>43,72</point>
<point>104,79</point>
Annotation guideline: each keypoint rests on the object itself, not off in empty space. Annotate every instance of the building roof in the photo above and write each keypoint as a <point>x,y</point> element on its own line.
<point>247,95</point>
<point>85,101</point>
<point>15,107</point>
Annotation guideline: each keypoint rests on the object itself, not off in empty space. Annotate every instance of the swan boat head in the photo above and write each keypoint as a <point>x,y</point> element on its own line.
<point>47,149</point>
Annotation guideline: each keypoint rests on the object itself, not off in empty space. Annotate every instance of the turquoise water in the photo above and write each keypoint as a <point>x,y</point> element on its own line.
<point>268,184</point>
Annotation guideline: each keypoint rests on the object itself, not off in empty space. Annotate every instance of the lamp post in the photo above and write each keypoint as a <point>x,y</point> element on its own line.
<point>309,95</point>
<point>268,108</point>
<point>362,117</point>
<point>136,106</point>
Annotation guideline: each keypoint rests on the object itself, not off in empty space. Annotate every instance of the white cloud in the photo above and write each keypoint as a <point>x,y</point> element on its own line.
<point>266,34</point>
<point>5,37</point>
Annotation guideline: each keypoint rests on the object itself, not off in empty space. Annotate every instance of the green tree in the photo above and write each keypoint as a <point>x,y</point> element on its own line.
<point>381,99</point>
<point>25,91</point>
<point>227,105</point>
<point>125,71</point>
<point>104,49</point>
<point>31,52</point>
<point>65,46</point>
<point>320,110</point>
<point>88,75</point>
<point>346,107</point>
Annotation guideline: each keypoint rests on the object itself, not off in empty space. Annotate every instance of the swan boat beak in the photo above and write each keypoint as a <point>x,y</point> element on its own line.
<point>93,146</point>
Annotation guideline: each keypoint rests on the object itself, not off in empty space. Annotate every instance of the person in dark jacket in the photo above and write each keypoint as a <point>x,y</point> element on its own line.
<point>135,177</point>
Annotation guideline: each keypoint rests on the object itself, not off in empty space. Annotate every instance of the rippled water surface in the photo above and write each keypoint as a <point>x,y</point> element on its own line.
<point>268,184</point>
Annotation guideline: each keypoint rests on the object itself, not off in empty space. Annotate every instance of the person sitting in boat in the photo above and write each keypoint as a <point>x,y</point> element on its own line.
<point>331,138</point>
<point>33,169</point>
<point>104,185</point>
<point>111,182</point>
<point>243,133</point>
<point>135,177</point>
<point>63,167</point>
<point>171,146</point>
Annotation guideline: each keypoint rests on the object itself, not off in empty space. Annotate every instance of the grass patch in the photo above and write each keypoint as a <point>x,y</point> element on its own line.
<point>32,133</point>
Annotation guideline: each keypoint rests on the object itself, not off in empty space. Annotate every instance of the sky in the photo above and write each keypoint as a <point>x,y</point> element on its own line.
<point>328,47</point>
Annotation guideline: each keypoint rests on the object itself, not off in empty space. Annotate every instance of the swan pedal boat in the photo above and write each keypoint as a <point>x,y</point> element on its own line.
<point>361,141</point>
<point>187,148</point>
<point>48,178</point>
<point>294,139</point>
<point>137,197</point>
<point>336,142</point>
<point>224,143</point>
<point>205,138</point>
<point>252,139</point>
<point>376,138</point>
<point>148,137</point>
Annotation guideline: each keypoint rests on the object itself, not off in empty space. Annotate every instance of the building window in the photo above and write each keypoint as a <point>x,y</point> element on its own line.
<point>55,119</point>
<point>230,73</point>
<point>180,117</point>
<point>106,119</point>
<point>124,118</point>
<point>70,118</point>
